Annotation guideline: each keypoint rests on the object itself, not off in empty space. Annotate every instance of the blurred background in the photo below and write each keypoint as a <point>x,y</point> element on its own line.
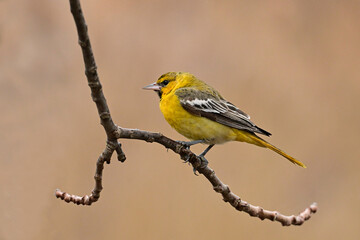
<point>293,66</point>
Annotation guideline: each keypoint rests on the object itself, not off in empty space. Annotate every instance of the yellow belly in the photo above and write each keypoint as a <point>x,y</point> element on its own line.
<point>194,127</point>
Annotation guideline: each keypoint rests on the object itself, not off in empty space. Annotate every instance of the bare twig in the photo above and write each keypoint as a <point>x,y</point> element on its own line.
<point>102,107</point>
<point>114,132</point>
<point>105,156</point>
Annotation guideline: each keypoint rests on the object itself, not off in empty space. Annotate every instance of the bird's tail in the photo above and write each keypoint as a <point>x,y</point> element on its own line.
<point>254,139</point>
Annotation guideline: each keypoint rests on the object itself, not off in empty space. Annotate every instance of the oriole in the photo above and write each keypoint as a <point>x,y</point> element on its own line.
<point>201,114</point>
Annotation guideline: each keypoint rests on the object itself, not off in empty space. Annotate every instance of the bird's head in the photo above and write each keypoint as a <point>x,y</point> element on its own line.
<point>168,81</point>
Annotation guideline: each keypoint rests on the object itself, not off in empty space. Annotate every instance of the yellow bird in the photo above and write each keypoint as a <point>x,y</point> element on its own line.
<point>201,114</point>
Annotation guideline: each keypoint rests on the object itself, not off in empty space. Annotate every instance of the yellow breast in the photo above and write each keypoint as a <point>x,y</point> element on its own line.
<point>191,126</point>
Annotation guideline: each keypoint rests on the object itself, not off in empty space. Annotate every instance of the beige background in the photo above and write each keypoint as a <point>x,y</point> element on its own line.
<point>292,65</point>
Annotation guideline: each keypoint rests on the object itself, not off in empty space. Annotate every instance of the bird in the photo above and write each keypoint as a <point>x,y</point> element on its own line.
<point>199,112</point>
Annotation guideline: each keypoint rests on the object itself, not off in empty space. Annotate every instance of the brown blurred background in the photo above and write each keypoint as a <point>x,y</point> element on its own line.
<point>292,65</point>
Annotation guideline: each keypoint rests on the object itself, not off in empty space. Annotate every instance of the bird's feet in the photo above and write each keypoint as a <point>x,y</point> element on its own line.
<point>203,160</point>
<point>188,144</point>
<point>203,163</point>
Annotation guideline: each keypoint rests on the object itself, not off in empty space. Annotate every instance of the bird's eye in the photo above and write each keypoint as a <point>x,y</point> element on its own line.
<point>164,83</point>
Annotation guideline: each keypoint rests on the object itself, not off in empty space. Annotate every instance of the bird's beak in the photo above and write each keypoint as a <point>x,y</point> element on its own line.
<point>154,86</point>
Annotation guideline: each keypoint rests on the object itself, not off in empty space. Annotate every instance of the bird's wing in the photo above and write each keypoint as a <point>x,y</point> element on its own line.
<point>211,105</point>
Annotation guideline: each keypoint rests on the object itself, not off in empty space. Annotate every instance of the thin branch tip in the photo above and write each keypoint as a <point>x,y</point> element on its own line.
<point>120,154</point>
<point>85,200</point>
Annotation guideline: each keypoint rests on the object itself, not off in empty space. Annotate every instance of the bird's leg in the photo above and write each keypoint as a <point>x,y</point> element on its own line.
<point>187,145</point>
<point>190,143</point>
<point>206,150</point>
<point>204,162</point>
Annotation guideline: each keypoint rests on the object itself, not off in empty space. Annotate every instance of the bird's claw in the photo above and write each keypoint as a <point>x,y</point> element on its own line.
<point>203,164</point>
<point>194,170</point>
<point>186,146</point>
<point>187,160</point>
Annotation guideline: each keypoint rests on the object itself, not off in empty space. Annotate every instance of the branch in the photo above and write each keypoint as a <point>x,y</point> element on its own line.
<point>114,132</point>
<point>102,107</point>
<point>95,195</point>
<point>217,184</point>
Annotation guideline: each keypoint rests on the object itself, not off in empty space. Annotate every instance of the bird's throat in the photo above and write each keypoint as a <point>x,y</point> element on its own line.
<point>159,93</point>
